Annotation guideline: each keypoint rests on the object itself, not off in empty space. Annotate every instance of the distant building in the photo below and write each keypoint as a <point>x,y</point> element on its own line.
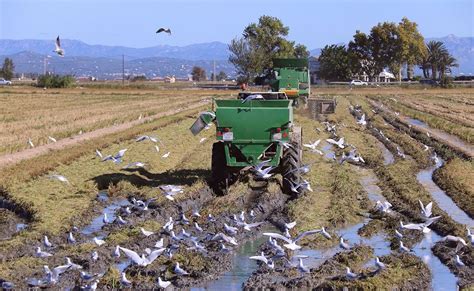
<point>386,77</point>
<point>314,70</point>
<point>170,80</point>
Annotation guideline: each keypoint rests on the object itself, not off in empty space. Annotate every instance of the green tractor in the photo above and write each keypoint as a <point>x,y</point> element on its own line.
<point>252,132</point>
<point>291,76</point>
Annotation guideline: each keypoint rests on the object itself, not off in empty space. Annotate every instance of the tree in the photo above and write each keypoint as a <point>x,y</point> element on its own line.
<point>221,76</point>
<point>361,55</point>
<point>386,47</point>
<point>198,74</point>
<point>261,42</point>
<point>334,63</point>
<point>301,51</point>
<point>413,45</point>
<point>8,69</point>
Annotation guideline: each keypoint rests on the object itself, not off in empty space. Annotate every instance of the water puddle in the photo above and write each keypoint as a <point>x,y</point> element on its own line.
<point>97,223</point>
<point>388,158</point>
<point>328,151</point>
<point>242,268</point>
<point>444,135</point>
<point>425,177</point>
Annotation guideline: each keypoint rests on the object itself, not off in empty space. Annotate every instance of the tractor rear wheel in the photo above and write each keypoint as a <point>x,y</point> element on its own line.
<point>291,163</point>
<point>221,176</point>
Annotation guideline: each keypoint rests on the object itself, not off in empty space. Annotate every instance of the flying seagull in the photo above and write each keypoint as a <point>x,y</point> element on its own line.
<point>291,243</point>
<point>58,48</point>
<point>167,30</point>
<point>252,97</point>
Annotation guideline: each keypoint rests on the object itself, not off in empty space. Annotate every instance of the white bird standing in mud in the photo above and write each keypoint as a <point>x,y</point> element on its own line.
<point>179,271</point>
<point>42,254</point>
<point>46,242</point>
<point>98,241</point>
<point>343,244</point>
<point>30,143</point>
<point>163,284</point>
<point>71,239</point>
<point>146,232</point>
<point>470,235</point>
<point>459,263</point>
<point>59,178</point>
<point>403,248</point>
<point>52,139</point>
<point>362,120</point>
<point>98,154</point>
<point>383,206</point>
<point>203,139</point>
<point>165,156</point>
<point>350,275</point>
<point>379,264</point>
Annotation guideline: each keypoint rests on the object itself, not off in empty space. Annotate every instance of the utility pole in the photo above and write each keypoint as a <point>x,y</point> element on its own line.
<point>123,69</point>
<point>214,72</point>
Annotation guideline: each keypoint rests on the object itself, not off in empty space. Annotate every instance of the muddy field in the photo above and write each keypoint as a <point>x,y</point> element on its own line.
<point>100,206</point>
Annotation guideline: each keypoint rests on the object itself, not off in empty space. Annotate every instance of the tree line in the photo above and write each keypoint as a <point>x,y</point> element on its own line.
<point>388,45</point>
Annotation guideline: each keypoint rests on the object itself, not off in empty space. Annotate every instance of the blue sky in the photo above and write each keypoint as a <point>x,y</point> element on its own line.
<point>133,22</point>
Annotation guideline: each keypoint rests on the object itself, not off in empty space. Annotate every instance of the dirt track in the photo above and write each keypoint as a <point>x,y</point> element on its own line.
<point>14,158</point>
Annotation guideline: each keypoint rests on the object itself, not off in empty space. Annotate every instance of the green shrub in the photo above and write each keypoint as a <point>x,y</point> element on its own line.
<point>446,82</point>
<point>56,81</point>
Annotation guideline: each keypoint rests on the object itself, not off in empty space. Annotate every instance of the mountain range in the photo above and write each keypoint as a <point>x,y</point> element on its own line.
<point>104,61</point>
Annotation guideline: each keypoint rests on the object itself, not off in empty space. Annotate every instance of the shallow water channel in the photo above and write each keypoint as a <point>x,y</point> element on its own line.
<point>425,177</point>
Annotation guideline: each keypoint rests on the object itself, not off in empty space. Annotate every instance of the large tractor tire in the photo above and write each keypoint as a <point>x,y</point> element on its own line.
<point>221,176</point>
<point>291,163</point>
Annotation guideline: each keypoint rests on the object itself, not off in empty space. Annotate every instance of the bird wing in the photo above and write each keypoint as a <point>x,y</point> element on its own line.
<point>259,258</point>
<point>155,254</point>
<point>301,235</point>
<point>277,235</point>
<point>316,143</point>
<point>58,43</point>
<point>160,30</point>
<point>255,224</point>
<point>132,255</point>
<point>60,269</point>
<point>331,141</point>
<point>428,208</point>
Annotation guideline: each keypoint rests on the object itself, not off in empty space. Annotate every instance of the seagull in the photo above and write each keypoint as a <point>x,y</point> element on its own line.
<point>290,225</point>
<point>53,276</point>
<point>426,147</point>
<point>420,226</point>
<point>99,154</point>
<point>400,153</point>
<point>166,155</point>
<point>171,190</point>
<point>343,244</point>
<point>42,254</point>
<point>59,178</point>
<point>95,256</point>
<point>134,165</point>
<point>70,238</point>
<point>350,275</point>
<point>30,143</point>
<point>248,226</point>
<point>163,284</point>
<point>169,225</point>
<point>46,242</point>
<point>291,243</point>
<point>183,219</point>
<point>159,244</point>
<point>252,97</point>
<point>58,48</point>
<point>157,148</point>
<point>179,271</point>
<point>454,239</point>
<point>197,227</point>
<point>264,173</point>
<point>426,210</point>
<point>124,281</point>
<point>98,241</point>
<point>116,252</point>
<point>261,258</point>
<point>302,268</point>
<point>403,248</point>
<point>120,220</point>
<point>142,260</point>
<point>313,145</point>
<point>202,140</point>
<point>196,213</point>
<point>383,206</point>
<point>230,229</point>
<point>146,232</point>
<point>161,29</point>
<point>379,264</point>
<point>339,143</point>
<point>325,233</point>
<point>146,137</point>
<point>72,265</point>
<point>222,237</point>
<point>459,263</point>
<point>105,219</point>
<point>362,120</point>
<point>470,235</point>
<point>52,139</point>
<point>398,234</point>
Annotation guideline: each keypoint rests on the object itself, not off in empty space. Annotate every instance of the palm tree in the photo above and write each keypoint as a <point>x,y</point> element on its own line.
<point>438,59</point>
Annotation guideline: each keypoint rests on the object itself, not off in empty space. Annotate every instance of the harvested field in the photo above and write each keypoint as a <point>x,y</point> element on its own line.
<point>343,201</point>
